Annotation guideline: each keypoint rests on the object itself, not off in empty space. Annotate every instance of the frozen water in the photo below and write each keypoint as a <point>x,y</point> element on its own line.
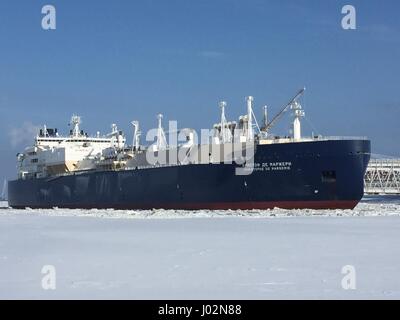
<point>168,254</point>
<point>369,206</point>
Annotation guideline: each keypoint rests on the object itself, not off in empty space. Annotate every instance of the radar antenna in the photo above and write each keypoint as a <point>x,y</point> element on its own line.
<point>75,122</point>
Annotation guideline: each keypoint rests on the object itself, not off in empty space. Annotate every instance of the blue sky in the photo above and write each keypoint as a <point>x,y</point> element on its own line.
<point>115,61</point>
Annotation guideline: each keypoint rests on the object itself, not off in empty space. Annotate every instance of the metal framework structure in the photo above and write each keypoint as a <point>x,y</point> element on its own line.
<point>382,176</point>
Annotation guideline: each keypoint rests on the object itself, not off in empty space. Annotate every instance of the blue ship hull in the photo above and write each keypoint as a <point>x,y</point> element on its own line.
<point>319,174</point>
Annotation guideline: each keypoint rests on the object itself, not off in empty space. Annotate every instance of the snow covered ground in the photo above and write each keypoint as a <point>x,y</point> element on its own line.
<point>158,254</point>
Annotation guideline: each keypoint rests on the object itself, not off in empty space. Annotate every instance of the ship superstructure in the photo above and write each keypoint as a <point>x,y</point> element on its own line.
<point>53,154</point>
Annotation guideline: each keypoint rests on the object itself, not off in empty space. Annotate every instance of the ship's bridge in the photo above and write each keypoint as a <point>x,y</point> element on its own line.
<point>55,154</point>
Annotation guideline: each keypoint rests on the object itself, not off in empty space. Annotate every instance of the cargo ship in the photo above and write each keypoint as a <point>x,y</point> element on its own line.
<point>238,165</point>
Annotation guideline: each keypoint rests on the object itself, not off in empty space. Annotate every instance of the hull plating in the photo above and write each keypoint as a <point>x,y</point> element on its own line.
<point>318,175</point>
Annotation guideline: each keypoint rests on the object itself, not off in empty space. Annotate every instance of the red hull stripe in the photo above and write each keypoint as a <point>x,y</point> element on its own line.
<point>330,204</point>
<point>337,204</point>
<point>271,205</point>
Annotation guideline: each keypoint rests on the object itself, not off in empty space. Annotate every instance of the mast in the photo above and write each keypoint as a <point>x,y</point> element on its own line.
<point>225,133</point>
<point>75,122</point>
<point>250,133</point>
<point>161,140</point>
<point>136,135</point>
<point>298,113</point>
<point>265,118</point>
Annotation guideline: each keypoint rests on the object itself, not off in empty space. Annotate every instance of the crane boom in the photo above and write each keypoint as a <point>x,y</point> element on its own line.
<point>283,110</point>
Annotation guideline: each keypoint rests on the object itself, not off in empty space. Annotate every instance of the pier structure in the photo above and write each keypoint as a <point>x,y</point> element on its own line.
<point>382,177</point>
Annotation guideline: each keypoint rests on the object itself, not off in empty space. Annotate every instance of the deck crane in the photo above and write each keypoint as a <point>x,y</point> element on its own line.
<point>283,110</point>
